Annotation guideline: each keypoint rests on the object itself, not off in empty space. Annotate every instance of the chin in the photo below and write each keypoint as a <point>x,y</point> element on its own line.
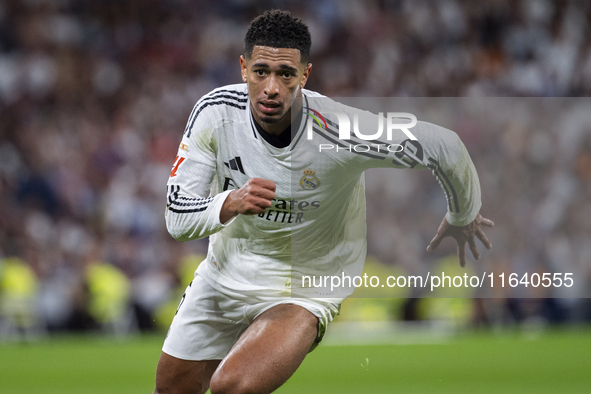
<point>269,119</point>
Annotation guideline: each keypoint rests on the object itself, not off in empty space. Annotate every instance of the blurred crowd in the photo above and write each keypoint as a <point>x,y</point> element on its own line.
<point>94,96</point>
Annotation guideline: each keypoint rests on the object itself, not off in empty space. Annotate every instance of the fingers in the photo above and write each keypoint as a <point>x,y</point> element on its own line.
<point>480,235</point>
<point>462,253</point>
<point>463,235</point>
<point>434,243</point>
<point>441,233</point>
<point>256,200</point>
<point>254,197</point>
<point>487,222</point>
<point>262,193</point>
<point>473,248</point>
<point>263,183</point>
<point>265,192</point>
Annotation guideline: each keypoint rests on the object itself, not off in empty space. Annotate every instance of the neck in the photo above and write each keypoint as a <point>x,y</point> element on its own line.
<point>283,138</point>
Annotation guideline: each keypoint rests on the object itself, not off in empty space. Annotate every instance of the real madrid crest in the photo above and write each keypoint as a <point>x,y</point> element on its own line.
<point>309,181</point>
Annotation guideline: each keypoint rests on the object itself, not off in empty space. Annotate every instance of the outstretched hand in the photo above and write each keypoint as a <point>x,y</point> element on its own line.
<point>463,234</point>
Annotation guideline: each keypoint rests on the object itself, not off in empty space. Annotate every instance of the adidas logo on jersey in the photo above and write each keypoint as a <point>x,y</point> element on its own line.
<point>235,164</point>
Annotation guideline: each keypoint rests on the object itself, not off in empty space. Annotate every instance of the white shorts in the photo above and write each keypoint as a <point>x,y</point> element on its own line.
<point>208,321</point>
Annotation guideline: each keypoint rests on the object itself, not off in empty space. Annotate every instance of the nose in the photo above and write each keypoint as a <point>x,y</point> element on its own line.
<point>272,86</point>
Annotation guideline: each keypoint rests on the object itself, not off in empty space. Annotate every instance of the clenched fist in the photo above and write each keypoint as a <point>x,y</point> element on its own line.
<point>251,199</point>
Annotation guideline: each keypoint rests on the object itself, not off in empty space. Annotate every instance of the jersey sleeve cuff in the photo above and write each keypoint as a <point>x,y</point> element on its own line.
<point>463,219</point>
<point>219,203</point>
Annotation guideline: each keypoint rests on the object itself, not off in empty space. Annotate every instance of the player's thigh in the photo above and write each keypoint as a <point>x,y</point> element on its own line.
<point>176,376</point>
<point>268,352</point>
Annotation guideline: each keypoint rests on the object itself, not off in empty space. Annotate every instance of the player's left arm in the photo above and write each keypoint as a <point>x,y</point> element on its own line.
<point>442,151</point>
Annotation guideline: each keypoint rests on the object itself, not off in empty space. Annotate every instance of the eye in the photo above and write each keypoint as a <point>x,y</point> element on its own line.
<point>260,73</point>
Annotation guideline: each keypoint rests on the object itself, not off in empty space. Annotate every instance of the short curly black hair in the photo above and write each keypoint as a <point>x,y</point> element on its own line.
<point>278,29</point>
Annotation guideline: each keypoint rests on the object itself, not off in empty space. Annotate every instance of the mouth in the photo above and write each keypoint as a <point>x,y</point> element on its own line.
<point>269,107</point>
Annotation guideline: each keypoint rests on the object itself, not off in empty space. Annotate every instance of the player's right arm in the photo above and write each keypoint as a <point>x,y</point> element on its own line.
<point>192,212</point>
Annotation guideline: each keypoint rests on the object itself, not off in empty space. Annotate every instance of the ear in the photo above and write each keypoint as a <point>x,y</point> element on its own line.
<point>243,69</point>
<point>306,74</point>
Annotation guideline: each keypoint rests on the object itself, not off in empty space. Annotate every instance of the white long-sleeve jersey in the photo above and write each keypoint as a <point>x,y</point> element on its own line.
<point>316,224</point>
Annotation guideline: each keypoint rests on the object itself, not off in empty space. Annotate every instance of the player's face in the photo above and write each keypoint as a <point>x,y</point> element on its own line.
<point>275,77</point>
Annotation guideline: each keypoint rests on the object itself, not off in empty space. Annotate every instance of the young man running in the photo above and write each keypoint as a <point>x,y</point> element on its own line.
<point>246,177</point>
